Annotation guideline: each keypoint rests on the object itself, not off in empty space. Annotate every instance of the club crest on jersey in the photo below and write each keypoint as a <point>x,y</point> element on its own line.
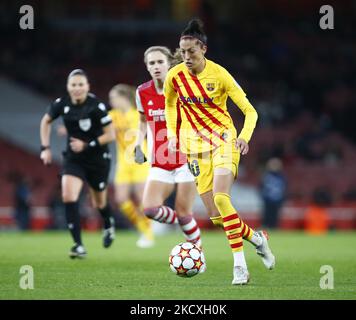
<point>210,86</point>
<point>85,124</point>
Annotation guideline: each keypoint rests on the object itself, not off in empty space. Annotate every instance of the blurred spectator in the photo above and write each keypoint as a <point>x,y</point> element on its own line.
<point>332,155</point>
<point>322,197</point>
<point>274,150</point>
<point>310,145</point>
<point>350,194</point>
<point>316,219</point>
<point>289,65</point>
<point>22,203</point>
<point>273,191</point>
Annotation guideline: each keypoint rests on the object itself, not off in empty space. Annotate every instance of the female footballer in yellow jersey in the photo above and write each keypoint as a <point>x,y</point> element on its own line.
<point>130,177</point>
<point>208,136</point>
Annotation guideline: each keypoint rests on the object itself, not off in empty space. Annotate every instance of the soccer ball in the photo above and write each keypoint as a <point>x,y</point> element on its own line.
<point>187,260</point>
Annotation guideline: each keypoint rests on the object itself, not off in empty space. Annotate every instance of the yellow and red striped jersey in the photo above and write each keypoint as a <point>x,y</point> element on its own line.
<point>206,123</point>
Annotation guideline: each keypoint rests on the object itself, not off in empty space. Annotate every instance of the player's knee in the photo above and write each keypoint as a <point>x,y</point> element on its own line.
<point>182,209</point>
<point>121,198</point>
<point>221,200</point>
<point>69,197</point>
<point>151,212</point>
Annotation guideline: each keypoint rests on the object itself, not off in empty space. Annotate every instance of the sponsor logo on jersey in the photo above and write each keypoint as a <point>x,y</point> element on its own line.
<point>196,99</point>
<point>158,112</point>
<point>157,115</point>
<point>85,124</point>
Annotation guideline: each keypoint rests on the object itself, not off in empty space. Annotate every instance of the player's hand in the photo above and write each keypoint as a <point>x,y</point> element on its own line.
<point>77,145</point>
<point>242,146</point>
<point>139,155</point>
<point>46,157</point>
<point>172,145</point>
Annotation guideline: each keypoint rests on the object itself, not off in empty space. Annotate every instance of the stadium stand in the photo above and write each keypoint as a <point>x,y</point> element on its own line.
<point>299,78</point>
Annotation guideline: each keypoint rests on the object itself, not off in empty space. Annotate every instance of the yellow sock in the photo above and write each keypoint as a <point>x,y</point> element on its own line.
<point>145,227</point>
<point>247,232</point>
<point>231,220</point>
<point>129,209</point>
<point>142,223</point>
<point>217,221</point>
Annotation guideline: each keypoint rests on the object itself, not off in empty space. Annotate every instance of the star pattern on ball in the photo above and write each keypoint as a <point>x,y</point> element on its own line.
<point>184,253</point>
<point>180,270</point>
<point>198,263</point>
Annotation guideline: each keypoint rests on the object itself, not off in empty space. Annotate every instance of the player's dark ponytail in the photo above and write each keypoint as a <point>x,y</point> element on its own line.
<point>195,30</point>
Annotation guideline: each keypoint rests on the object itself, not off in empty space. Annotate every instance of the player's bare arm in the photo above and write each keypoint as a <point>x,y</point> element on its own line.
<point>45,132</point>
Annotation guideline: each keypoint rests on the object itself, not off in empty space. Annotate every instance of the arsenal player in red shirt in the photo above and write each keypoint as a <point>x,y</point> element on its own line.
<point>167,169</point>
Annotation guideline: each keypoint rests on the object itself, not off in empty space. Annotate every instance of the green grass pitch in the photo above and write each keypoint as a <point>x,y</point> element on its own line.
<point>126,272</point>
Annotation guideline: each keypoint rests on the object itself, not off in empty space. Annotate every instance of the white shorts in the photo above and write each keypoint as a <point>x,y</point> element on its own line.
<point>179,175</point>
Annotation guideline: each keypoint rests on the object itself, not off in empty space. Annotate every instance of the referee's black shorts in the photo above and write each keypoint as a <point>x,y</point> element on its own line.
<point>95,173</point>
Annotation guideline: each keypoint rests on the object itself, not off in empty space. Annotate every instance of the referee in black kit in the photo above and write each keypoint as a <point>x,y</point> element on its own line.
<point>87,156</point>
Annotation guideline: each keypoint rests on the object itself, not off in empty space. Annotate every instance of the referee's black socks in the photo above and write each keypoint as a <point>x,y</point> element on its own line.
<point>106,214</point>
<point>73,220</point>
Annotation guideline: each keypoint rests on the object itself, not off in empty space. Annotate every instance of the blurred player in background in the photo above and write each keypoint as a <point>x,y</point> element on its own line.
<point>130,177</point>
<point>87,156</point>
<point>208,136</point>
<point>166,169</point>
